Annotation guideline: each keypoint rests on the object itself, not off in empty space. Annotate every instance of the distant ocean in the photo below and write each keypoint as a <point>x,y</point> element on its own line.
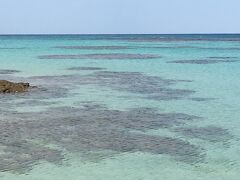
<point>144,107</point>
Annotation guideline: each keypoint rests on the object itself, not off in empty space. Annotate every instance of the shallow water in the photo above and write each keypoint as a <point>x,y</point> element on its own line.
<point>121,107</point>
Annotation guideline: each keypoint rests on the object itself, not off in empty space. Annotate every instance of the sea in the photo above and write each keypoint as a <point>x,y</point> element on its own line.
<point>122,107</point>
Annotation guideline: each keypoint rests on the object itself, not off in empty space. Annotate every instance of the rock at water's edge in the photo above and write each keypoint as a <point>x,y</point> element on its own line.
<point>11,87</point>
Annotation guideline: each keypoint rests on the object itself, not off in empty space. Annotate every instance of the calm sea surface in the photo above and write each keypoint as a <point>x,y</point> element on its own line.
<point>144,107</point>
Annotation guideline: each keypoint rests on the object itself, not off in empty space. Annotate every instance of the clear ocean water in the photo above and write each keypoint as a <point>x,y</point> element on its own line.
<point>144,107</point>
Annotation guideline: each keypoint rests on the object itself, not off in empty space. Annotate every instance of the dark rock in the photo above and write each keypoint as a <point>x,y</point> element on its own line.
<point>11,87</point>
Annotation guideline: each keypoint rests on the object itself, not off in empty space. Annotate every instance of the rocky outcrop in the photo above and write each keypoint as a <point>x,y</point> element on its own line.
<point>11,87</point>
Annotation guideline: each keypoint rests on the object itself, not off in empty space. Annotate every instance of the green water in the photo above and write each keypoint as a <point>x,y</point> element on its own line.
<point>215,81</point>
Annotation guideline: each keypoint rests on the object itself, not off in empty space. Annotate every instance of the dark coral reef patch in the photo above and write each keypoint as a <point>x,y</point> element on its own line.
<point>202,61</point>
<point>88,129</point>
<point>8,71</point>
<point>94,47</point>
<point>85,68</point>
<point>209,133</point>
<point>101,56</point>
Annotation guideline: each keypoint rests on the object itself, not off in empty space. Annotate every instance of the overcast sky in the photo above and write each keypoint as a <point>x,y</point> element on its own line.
<point>119,16</point>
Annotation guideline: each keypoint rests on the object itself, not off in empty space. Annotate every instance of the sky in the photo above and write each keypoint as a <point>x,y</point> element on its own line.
<point>119,16</point>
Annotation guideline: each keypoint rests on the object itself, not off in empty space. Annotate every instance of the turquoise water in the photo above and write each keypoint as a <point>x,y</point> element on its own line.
<point>121,107</point>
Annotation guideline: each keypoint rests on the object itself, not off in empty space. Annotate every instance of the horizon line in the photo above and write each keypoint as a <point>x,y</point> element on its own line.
<point>119,34</point>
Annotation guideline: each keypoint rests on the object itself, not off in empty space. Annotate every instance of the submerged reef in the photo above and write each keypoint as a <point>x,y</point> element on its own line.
<point>88,129</point>
<point>148,87</point>
<point>206,61</point>
<point>109,56</point>
<point>8,71</point>
<point>49,134</point>
<point>209,133</point>
<point>94,47</point>
<point>85,69</point>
